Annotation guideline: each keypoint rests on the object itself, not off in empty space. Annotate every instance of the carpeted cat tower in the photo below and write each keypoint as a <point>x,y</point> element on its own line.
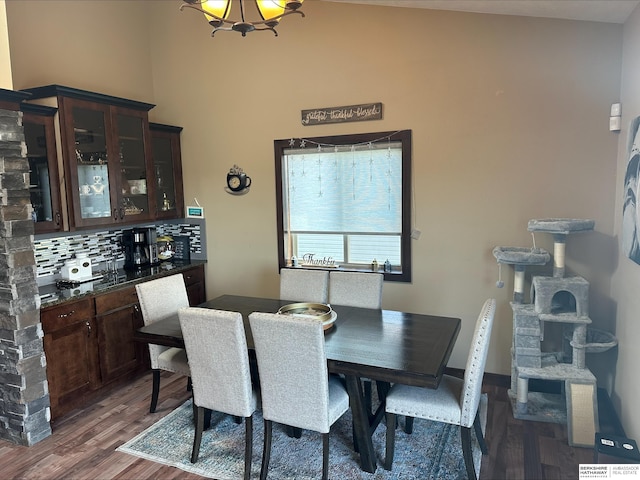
<point>561,300</point>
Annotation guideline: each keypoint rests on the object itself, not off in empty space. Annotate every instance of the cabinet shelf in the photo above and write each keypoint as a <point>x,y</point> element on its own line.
<point>93,164</point>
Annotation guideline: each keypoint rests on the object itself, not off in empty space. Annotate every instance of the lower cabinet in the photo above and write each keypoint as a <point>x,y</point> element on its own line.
<point>70,344</point>
<point>194,281</point>
<point>117,318</point>
<point>89,342</point>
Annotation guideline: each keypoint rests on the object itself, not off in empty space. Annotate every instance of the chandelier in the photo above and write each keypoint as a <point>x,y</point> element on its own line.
<point>217,13</point>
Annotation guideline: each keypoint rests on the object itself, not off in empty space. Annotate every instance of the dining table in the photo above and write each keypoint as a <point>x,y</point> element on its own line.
<point>385,346</point>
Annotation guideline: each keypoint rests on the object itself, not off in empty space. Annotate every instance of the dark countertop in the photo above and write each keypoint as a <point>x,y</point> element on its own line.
<point>52,295</point>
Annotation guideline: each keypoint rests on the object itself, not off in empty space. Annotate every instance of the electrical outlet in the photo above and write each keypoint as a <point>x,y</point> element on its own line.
<point>614,124</point>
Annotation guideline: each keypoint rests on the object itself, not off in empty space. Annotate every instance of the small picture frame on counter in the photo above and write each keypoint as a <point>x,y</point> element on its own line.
<point>183,247</point>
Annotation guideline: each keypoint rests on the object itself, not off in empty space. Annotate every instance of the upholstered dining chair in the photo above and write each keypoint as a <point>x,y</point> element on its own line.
<point>456,401</point>
<point>159,299</point>
<point>296,388</point>
<point>304,285</point>
<point>357,289</point>
<point>221,378</point>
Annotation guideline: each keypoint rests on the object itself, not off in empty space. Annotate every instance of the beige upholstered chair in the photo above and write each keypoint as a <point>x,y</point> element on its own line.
<point>455,401</point>
<point>159,299</point>
<point>294,382</point>
<point>303,285</point>
<point>219,359</point>
<point>356,289</point>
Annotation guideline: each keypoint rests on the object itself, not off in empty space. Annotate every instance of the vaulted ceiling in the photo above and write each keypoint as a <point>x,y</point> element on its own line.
<point>611,11</point>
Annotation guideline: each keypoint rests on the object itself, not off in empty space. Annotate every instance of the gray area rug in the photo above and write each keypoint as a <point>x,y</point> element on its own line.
<point>432,451</point>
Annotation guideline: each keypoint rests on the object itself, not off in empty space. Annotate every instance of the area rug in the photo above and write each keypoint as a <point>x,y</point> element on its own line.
<point>432,451</point>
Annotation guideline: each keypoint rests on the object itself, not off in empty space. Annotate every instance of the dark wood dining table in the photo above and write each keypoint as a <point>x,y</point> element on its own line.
<point>382,345</point>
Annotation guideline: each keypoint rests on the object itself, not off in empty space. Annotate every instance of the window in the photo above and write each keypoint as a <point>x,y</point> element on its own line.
<point>344,201</point>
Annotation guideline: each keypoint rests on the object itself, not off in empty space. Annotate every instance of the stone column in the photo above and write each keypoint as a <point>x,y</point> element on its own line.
<point>24,394</point>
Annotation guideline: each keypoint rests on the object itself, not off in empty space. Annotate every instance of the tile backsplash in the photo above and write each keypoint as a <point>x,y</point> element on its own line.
<point>51,252</point>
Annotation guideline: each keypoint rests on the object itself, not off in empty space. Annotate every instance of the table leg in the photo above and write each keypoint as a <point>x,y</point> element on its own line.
<point>361,424</point>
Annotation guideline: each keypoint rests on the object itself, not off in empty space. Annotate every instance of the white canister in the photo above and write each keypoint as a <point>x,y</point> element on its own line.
<point>77,269</point>
<point>83,262</point>
<point>69,270</point>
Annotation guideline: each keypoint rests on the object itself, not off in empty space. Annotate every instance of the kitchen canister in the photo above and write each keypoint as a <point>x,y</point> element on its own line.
<point>77,269</point>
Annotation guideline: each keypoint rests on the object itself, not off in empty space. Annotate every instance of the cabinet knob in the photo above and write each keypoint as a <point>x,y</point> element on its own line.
<point>57,219</point>
<point>88,324</point>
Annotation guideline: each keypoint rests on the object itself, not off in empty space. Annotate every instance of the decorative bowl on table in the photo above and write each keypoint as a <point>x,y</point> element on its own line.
<point>311,310</point>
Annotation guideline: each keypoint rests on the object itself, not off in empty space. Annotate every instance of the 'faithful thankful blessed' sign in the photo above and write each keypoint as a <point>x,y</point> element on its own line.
<point>350,113</point>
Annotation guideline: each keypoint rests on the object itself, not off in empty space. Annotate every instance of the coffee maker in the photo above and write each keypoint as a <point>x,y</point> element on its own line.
<point>151,235</point>
<point>140,248</point>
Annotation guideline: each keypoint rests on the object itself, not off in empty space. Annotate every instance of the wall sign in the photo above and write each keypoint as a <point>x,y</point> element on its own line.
<point>350,113</point>
<point>183,251</point>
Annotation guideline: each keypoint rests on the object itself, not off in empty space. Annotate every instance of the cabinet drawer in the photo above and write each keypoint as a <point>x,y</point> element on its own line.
<point>193,276</point>
<point>56,317</point>
<point>116,300</point>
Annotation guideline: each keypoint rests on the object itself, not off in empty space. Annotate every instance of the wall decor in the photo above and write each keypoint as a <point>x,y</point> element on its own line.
<point>630,208</point>
<point>238,182</point>
<point>349,113</point>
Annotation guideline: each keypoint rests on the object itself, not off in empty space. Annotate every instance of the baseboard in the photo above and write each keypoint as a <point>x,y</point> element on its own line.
<point>494,379</point>
<point>609,421</point>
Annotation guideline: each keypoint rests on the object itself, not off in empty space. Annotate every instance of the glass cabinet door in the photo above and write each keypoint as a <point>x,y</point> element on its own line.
<point>134,187</point>
<point>167,165</point>
<point>43,168</point>
<point>108,176</point>
<point>90,128</point>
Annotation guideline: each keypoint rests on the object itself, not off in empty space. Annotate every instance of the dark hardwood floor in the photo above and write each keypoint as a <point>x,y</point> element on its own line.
<point>526,450</point>
<point>83,443</point>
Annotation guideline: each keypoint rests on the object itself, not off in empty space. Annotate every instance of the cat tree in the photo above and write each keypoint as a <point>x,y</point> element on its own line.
<point>561,300</point>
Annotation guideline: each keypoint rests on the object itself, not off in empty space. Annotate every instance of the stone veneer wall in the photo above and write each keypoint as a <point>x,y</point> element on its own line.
<point>24,394</point>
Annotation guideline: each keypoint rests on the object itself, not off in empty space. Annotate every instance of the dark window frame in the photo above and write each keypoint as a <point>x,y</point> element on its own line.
<point>403,136</point>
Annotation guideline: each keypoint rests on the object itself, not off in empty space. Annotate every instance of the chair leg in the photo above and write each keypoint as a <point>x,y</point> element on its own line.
<point>207,418</point>
<point>325,456</point>
<point>391,440</point>
<point>465,434</point>
<point>199,411</point>
<point>266,452</point>
<point>248,447</point>
<point>293,432</point>
<point>479,435</point>
<point>408,425</point>
<point>155,390</point>
<point>356,448</point>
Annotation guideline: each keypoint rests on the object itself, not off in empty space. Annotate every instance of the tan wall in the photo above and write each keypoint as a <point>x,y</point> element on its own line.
<point>626,279</point>
<point>94,45</point>
<point>509,118</point>
<point>5,58</point>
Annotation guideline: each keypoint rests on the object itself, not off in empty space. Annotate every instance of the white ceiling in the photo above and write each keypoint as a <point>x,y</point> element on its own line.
<point>611,11</point>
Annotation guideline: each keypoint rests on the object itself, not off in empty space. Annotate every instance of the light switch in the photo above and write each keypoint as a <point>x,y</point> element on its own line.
<point>616,110</point>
